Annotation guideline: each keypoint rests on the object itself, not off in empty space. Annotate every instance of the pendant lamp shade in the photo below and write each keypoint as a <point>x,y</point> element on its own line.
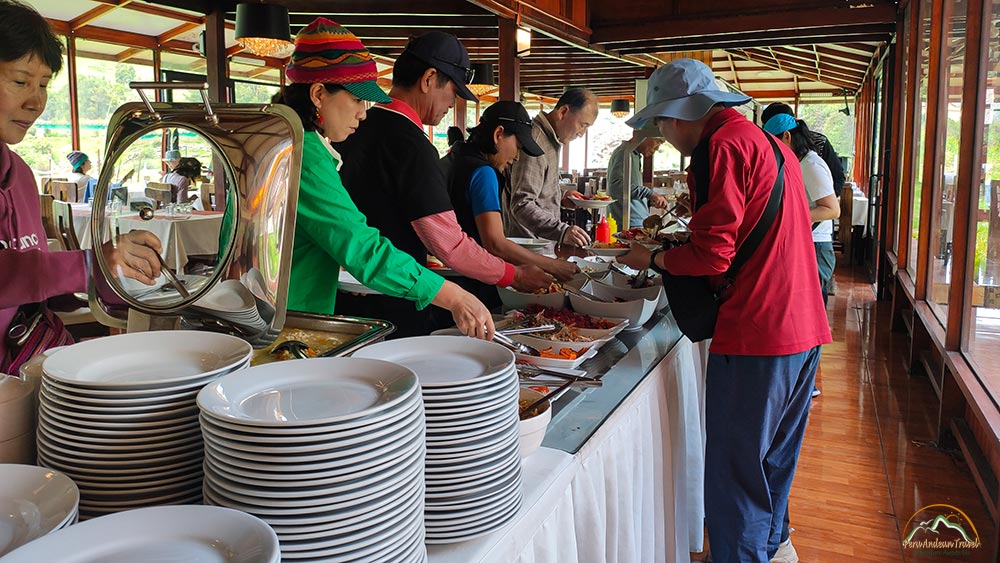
<point>482,79</point>
<point>263,29</point>
<point>619,108</point>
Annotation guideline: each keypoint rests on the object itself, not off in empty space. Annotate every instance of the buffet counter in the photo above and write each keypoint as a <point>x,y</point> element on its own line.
<point>619,476</point>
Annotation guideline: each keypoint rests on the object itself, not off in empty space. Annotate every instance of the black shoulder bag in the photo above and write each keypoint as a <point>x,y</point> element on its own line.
<point>693,302</point>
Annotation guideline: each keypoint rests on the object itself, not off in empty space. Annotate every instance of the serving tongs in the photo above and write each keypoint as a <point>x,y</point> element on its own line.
<point>531,373</point>
<point>514,346</point>
<point>584,294</point>
<point>550,396</point>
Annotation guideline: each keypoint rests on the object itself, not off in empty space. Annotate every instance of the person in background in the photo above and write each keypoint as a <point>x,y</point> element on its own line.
<point>455,136</point>
<point>819,143</point>
<point>474,181</point>
<point>757,388</point>
<point>30,55</point>
<point>181,177</point>
<point>642,198</point>
<point>391,171</point>
<point>81,166</point>
<point>331,80</point>
<point>171,159</point>
<point>531,207</point>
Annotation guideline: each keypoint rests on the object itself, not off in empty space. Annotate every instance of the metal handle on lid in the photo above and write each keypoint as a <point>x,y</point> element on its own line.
<point>202,87</point>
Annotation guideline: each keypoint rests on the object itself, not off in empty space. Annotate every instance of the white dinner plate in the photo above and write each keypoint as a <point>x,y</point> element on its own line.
<point>68,441</point>
<point>125,430</point>
<point>433,407</point>
<point>308,392</point>
<point>444,453</point>
<point>72,403</point>
<point>471,433</point>
<point>34,501</point>
<point>592,203</point>
<point>484,385</point>
<point>146,359</point>
<point>409,500</point>
<point>532,244</point>
<point>445,520</point>
<point>443,361</point>
<point>606,251</point>
<point>167,533</point>
<point>489,418</point>
<point>467,495</point>
<point>474,531</point>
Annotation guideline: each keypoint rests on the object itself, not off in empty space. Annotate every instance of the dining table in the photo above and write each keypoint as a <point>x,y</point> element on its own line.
<point>183,235</point>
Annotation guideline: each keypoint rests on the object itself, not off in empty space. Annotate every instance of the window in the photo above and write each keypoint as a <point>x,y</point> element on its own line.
<point>948,141</point>
<point>982,342</point>
<point>920,131</point>
<point>901,100</point>
<point>102,87</point>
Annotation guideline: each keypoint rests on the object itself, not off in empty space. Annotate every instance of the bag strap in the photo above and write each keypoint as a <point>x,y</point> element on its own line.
<point>755,237</point>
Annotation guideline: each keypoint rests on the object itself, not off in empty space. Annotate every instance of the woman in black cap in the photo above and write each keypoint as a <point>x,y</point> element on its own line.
<point>477,173</point>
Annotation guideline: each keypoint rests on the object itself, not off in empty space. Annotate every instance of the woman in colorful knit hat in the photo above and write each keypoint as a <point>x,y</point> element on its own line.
<point>81,165</point>
<point>331,81</point>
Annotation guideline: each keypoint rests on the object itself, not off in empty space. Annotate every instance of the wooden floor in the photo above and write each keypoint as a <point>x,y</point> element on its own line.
<point>868,461</point>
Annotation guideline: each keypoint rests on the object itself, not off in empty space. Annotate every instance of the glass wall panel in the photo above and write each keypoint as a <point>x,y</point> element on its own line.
<point>948,142</point>
<point>920,131</point>
<point>982,341</point>
<point>102,86</point>
<point>46,145</point>
<point>903,106</point>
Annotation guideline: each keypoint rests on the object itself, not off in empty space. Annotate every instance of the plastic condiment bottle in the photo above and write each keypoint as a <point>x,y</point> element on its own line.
<point>603,231</point>
<point>612,226</point>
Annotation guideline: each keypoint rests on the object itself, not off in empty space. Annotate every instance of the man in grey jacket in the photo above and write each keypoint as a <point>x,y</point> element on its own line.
<point>531,204</point>
<point>641,198</point>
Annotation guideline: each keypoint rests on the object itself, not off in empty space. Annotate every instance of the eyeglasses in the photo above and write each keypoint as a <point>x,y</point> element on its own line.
<point>469,73</point>
<point>512,120</point>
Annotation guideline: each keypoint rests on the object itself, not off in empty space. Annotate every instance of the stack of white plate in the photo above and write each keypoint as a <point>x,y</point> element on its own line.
<point>118,415</point>
<point>328,451</point>
<point>34,501</point>
<point>232,301</point>
<point>473,470</point>
<point>163,533</point>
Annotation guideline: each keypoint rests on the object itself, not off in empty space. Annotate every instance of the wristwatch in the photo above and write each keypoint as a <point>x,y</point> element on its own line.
<point>652,263</point>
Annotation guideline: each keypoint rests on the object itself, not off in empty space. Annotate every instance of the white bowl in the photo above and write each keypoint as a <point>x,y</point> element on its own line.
<point>532,244</point>
<point>590,266</point>
<point>609,291</point>
<point>35,501</point>
<point>637,312</point>
<point>532,430</point>
<point>516,300</point>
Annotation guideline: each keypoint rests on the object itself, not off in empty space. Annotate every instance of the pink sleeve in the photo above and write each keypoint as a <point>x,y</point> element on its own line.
<point>445,239</point>
<point>32,276</point>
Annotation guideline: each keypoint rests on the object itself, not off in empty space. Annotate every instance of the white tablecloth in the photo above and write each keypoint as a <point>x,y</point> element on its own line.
<point>194,236</point>
<point>633,493</point>
<point>859,211</point>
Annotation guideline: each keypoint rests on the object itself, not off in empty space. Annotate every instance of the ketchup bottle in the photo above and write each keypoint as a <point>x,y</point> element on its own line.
<point>603,231</point>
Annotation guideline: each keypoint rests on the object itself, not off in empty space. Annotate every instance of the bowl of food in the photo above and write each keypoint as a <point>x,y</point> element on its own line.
<point>637,311</point>
<point>613,292</point>
<point>534,423</point>
<point>553,296</point>
<point>617,248</point>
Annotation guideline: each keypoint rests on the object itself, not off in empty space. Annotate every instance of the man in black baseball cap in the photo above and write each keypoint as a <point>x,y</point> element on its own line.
<point>390,168</point>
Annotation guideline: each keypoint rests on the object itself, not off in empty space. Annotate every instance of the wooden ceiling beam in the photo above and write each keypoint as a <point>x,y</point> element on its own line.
<point>831,50</point>
<point>416,21</point>
<point>444,8</point>
<point>813,58</point>
<point>128,54</point>
<point>803,72</point>
<point>876,33</point>
<point>155,10</point>
<point>176,32</point>
<point>105,35</point>
<point>789,20</point>
<point>791,65</point>
<point>95,13</point>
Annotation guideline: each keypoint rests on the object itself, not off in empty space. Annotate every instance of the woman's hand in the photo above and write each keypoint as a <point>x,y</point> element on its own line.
<point>562,270</point>
<point>471,316</point>
<point>134,255</point>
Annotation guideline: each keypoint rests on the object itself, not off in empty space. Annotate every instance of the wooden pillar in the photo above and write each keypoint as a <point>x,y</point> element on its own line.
<point>215,55</point>
<point>157,67</point>
<point>461,110</point>
<point>74,92</point>
<point>510,65</point>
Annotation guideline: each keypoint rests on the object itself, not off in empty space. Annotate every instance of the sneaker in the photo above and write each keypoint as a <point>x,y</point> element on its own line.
<point>816,392</point>
<point>786,553</point>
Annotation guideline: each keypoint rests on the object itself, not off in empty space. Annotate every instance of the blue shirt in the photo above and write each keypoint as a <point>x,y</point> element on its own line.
<point>484,191</point>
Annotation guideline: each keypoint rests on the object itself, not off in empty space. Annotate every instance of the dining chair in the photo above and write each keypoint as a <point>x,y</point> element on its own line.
<point>45,204</point>
<point>63,213</point>
<point>66,191</point>
<point>159,192</point>
<point>207,194</point>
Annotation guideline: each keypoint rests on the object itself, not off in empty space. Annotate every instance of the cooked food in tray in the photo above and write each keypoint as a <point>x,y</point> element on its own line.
<point>318,342</point>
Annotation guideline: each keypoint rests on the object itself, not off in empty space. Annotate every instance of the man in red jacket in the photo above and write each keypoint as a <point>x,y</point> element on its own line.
<point>771,320</point>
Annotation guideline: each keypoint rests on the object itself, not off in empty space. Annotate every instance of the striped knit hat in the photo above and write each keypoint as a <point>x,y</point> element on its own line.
<point>76,159</point>
<point>327,52</point>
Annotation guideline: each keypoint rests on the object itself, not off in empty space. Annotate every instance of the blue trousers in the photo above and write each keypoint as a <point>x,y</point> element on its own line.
<point>756,408</point>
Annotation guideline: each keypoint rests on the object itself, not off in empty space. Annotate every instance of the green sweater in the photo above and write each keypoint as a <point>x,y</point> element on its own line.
<point>330,232</point>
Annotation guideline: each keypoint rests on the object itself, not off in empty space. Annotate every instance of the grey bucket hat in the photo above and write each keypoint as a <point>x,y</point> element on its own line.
<point>684,89</point>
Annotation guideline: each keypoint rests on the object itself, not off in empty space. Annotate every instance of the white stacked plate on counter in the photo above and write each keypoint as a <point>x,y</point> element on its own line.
<point>328,451</point>
<point>119,416</point>
<point>470,394</point>
<point>34,501</point>
<point>163,533</point>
